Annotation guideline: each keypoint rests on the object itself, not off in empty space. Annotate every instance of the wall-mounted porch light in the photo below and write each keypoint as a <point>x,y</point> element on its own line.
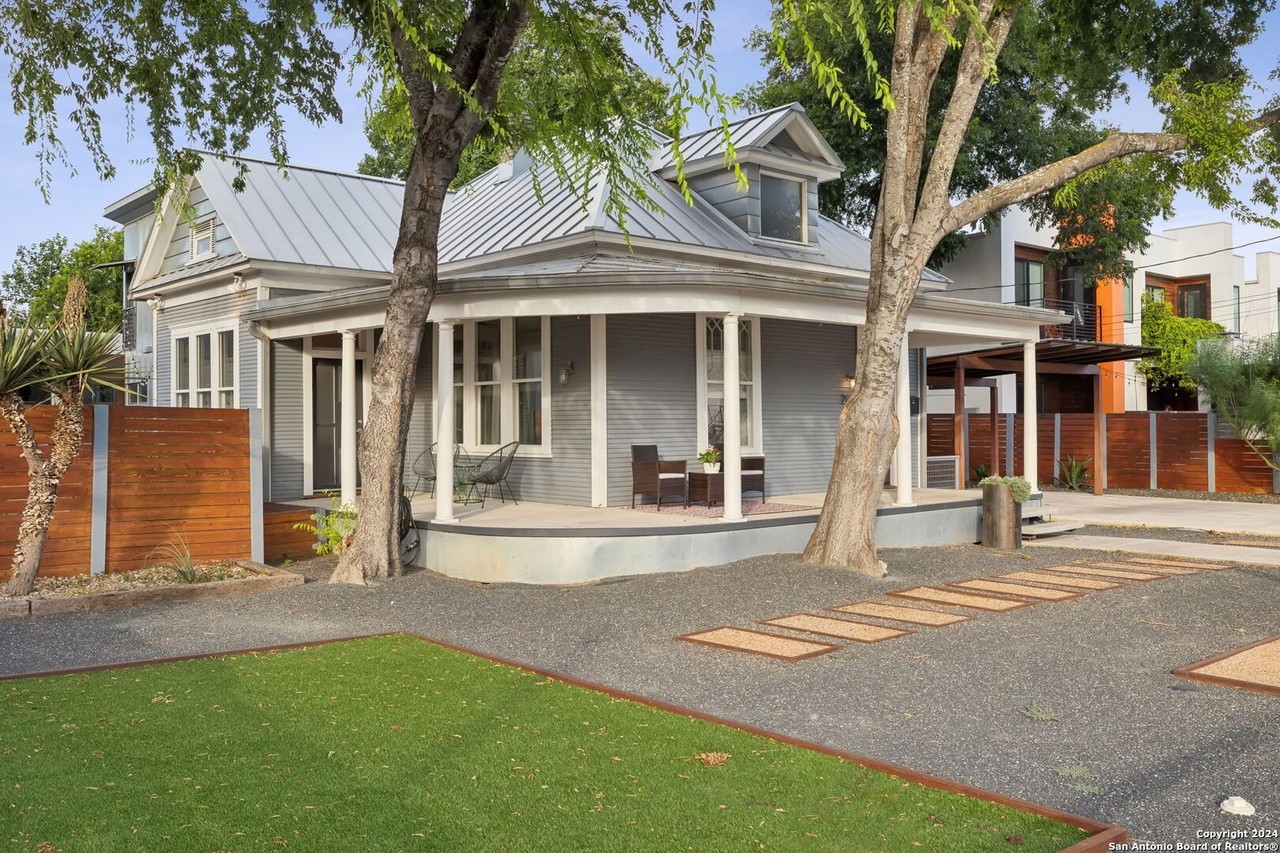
<point>565,373</point>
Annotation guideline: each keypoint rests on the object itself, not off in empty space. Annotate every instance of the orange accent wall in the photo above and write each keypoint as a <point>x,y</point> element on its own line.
<point>1110,301</point>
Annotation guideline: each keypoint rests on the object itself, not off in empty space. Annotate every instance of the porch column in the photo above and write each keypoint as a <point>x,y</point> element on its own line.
<point>347,428</point>
<point>1030,421</point>
<point>445,428</point>
<point>732,422</point>
<point>902,405</point>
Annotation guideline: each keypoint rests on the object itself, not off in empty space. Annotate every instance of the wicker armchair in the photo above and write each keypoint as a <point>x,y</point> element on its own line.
<point>652,476</point>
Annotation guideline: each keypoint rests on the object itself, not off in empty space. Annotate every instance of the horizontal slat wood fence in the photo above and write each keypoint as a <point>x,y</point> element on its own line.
<point>169,476</point>
<point>1190,451</point>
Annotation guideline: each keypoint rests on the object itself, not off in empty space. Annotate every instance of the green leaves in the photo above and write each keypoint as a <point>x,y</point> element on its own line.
<point>208,74</point>
<point>1177,338</point>
<point>1242,381</point>
<point>22,357</point>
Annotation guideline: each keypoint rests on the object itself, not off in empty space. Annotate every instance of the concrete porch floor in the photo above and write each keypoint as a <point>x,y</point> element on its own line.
<point>534,515</point>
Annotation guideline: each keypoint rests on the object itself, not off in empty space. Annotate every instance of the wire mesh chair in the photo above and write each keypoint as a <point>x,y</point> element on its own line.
<point>424,469</point>
<point>492,471</point>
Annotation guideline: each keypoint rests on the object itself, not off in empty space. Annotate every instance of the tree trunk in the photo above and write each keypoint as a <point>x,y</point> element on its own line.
<point>374,551</point>
<point>44,478</point>
<point>868,432</point>
<point>445,124</point>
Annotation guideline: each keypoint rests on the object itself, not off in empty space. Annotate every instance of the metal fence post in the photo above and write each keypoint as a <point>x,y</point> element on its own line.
<point>1151,449</point>
<point>1009,425</point>
<point>1101,464</point>
<point>1211,439</point>
<point>256,547</point>
<point>98,516</point>
<point>1057,444</point>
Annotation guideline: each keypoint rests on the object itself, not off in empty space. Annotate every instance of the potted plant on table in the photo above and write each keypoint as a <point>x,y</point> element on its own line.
<point>710,459</point>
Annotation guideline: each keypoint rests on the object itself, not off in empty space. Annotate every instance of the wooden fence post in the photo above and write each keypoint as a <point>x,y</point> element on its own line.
<point>98,512</point>
<point>1151,451</point>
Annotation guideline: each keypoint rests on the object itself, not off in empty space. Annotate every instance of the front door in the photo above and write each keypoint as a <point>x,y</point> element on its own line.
<point>326,429</point>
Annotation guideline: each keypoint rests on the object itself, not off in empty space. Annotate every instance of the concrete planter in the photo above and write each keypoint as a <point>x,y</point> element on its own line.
<point>266,578</point>
<point>1001,518</point>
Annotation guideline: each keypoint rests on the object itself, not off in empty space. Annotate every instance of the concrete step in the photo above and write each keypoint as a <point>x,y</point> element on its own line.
<point>1054,528</point>
<point>1030,512</point>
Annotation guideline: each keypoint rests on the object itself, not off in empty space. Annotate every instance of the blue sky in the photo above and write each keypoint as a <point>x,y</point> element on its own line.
<point>78,196</point>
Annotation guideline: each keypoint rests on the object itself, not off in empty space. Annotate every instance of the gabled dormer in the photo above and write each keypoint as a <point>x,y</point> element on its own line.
<point>784,159</point>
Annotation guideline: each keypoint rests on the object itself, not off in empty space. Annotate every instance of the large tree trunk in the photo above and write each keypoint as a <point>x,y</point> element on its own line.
<point>445,124</point>
<point>868,433</point>
<point>44,478</point>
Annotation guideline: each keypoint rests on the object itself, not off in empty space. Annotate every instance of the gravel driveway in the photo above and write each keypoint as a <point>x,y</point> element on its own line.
<point>1069,704</point>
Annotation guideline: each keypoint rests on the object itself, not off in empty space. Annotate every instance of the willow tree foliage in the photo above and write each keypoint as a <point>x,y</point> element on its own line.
<point>628,92</point>
<point>1242,381</point>
<point>942,58</point>
<point>213,75</point>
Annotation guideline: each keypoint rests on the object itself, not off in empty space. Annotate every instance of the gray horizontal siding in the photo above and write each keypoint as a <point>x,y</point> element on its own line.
<point>720,189</point>
<point>652,395</point>
<point>565,478</point>
<point>803,366</point>
<point>217,308</point>
<point>178,252</point>
<point>286,420</point>
<point>421,428</point>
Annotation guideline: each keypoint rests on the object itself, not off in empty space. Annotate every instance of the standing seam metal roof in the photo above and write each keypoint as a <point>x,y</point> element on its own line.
<point>325,218</point>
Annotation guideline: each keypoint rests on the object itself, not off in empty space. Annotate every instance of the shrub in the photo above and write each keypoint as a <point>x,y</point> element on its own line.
<point>1020,487</point>
<point>332,527</point>
<point>1074,473</point>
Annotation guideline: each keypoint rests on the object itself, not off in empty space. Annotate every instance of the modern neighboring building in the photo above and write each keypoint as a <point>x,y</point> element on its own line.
<point>1193,268</point>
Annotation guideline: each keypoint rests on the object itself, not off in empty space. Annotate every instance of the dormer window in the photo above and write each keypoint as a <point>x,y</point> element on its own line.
<point>202,241</point>
<point>782,208</point>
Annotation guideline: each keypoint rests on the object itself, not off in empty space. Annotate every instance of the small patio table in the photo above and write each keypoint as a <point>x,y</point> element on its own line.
<point>704,487</point>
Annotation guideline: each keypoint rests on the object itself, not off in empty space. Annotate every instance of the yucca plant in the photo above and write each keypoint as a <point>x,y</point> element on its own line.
<point>64,360</point>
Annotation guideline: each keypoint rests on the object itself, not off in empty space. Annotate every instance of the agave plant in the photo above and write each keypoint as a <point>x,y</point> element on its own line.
<point>64,360</point>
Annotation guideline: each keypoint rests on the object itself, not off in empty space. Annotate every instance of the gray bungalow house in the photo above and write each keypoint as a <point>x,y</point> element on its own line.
<point>563,333</point>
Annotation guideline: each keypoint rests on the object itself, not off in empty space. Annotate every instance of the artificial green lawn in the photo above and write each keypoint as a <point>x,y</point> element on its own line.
<point>392,743</point>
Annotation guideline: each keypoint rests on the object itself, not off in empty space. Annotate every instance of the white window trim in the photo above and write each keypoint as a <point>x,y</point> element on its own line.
<point>192,332</point>
<point>506,388</point>
<point>804,208</point>
<point>757,395</point>
<point>197,230</point>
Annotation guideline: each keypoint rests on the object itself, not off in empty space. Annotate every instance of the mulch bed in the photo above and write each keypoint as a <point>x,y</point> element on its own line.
<point>152,576</point>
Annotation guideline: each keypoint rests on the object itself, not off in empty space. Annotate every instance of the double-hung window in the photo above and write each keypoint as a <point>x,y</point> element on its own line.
<point>501,382</point>
<point>783,213</point>
<point>204,368</point>
<point>712,398</point>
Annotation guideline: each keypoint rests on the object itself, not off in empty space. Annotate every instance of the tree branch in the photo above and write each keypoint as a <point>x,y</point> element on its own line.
<point>970,79</point>
<point>1115,146</point>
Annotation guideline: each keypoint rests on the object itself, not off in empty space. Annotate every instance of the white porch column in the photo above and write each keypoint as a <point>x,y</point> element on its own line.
<point>347,427</point>
<point>599,414</point>
<point>732,422</point>
<point>902,409</point>
<point>1030,425</point>
<point>445,428</point>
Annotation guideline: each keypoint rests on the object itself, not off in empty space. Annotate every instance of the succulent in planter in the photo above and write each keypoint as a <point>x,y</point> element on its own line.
<point>1019,486</point>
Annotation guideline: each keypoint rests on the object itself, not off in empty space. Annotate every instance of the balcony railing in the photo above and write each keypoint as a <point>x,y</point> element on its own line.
<point>1083,325</point>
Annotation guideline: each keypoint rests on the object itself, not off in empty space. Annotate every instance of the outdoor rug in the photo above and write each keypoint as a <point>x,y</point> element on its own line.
<point>700,511</point>
<point>1254,667</point>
